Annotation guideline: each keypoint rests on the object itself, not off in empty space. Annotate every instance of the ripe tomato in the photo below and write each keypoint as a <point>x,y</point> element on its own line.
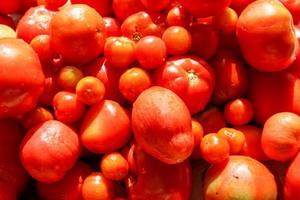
<point>198,133</point>
<point>226,21</point>
<point>238,112</point>
<point>8,21</point>
<point>112,27</point>
<point>292,182</point>
<point>68,77</point>
<point>155,5</point>
<point>235,138</point>
<point>103,7</point>
<point>36,116</point>
<point>84,38</point>
<point>178,16</point>
<point>8,7</point>
<point>69,187</point>
<point>52,4</point>
<point>99,132</point>
<point>190,78</point>
<point>125,8</point>
<point>41,45</point>
<point>20,87</point>
<point>60,147</point>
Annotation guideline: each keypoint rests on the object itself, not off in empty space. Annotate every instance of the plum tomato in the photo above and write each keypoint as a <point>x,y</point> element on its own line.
<point>133,82</point>
<point>103,7</point>
<point>112,27</point>
<point>83,40</point>
<point>114,166</point>
<point>155,5</point>
<point>97,187</point>
<point>125,8</point>
<point>60,148</point>
<point>238,112</point>
<point>90,90</point>
<point>190,78</point>
<point>68,77</point>
<point>177,39</point>
<point>119,52</point>
<point>9,7</point>
<point>67,107</point>
<point>151,52</point>
<point>36,116</point>
<point>235,138</point>
<point>214,148</point>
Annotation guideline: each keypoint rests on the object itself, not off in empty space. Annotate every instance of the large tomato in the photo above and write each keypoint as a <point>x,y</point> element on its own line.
<point>191,78</point>
<point>21,77</point>
<point>239,178</point>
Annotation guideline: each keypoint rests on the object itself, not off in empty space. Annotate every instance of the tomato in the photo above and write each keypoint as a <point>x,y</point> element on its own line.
<point>59,145</point>
<point>90,90</point>
<point>190,78</point>
<point>197,131</point>
<point>52,4</point>
<point>162,125</point>
<point>252,147</point>
<point>280,136</point>
<point>124,8</point>
<point>19,91</point>
<point>69,187</point>
<point>292,182</point>
<point>239,178</point>
<point>112,26</point>
<point>238,112</point>
<point>266,36</point>
<point>156,5</point>
<point>67,107</point>
<point>133,82</point>
<point>41,45</point>
<point>226,21</point>
<point>178,16</point>
<point>84,40</point>
<point>240,5</point>
<point>99,132</point>
<point>119,52</point>
<point>114,166</point>
<point>36,21</point>
<point>36,116</point>
<point>7,20</point>
<point>69,76</point>
<point>235,138</point>
<point>205,40</point>
<point>294,7</point>
<point>139,25</point>
<point>177,39</point>
<point>103,7</point>
<point>151,52</point>
<point>8,7</point>
<point>158,180</point>
<point>7,32</point>
<point>97,187</point>
<point>205,8</point>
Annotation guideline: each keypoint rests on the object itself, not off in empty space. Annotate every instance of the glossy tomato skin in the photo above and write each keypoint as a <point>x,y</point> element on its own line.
<point>294,7</point>
<point>266,36</point>
<point>125,8</point>
<point>34,22</point>
<point>99,132</point>
<point>68,188</point>
<point>191,78</point>
<point>20,87</point>
<point>103,7</point>
<point>162,124</point>
<point>41,45</point>
<point>8,7</point>
<point>292,181</point>
<point>36,116</point>
<point>112,26</point>
<point>235,138</point>
<point>60,147</point>
<point>178,16</point>
<point>158,180</point>
<point>241,177</point>
<point>238,112</point>
<point>84,40</point>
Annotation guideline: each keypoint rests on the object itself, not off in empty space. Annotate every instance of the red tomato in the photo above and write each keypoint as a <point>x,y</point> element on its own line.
<point>41,45</point>
<point>103,7</point>
<point>114,166</point>
<point>36,116</point>
<point>133,82</point>
<point>124,8</point>
<point>20,87</point>
<point>52,4</point>
<point>8,7</point>
<point>90,90</point>
<point>84,38</point>
<point>205,8</point>
<point>238,112</point>
<point>178,16</point>
<point>226,21</point>
<point>280,136</point>
<point>151,52</point>
<point>68,77</point>
<point>6,20</point>
<point>155,5</point>
<point>36,21</point>
<point>119,52</point>
<point>69,187</point>
<point>158,180</point>
<point>266,36</point>
<point>214,148</point>
<point>112,27</point>
<point>60,148</point>
<point>67,107</point>
<point>198,133</point>
<point>294,7</point>
<point>240,5</point>
<point>190,78</point>
<point>231,77</point>
<point>177,39</point>
<point>292,181</point>
<point>97,187</point>
<point>239,178</point>
<point>162,125</point>
<point>235,138</point>
<point>99,132</point>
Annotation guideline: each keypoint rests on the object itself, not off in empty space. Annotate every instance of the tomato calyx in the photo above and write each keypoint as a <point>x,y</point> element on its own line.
<point>193,76</point>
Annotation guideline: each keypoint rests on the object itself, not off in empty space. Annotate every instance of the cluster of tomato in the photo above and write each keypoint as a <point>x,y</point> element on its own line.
<point>149,99</point>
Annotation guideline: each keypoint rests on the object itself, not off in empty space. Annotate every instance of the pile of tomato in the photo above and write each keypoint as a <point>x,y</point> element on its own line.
<point>149,99</point>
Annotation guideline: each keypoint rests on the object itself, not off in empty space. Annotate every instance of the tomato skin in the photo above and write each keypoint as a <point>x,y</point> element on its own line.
<point>125,8</point>
<point>239,178</point>
<point>294,7</point>
<point>292,181</point>
<point>69,187</point>
<point>235,138</point>
<point>36,21</point>
<point>155,5</point>
<point>36,116</point>
<point>158,180</point>
<point>155,109</point>
<point>226,21</point>
<point>178,16</point>
<point>99,133</point>
<point>68,77</point>
<point>8,7</point>
<point>267,46</point>
<point>112,27</point>
<point>238,112</point>
<point>103,7</point>
<point>8,21</point>
<point>52,4</point>
<point>60,146</point>
<point>41,45</point>
<point>190,78</point>
<point>86,34</point>
<point>19,91</point>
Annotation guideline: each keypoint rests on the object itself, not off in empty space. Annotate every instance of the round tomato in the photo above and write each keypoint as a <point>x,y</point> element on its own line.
<point>112,27</point>
<point>68,77</point>
<point>41,45</point>
<point>125,8</point>
<point>238,112</point>
<point>103,7</point>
